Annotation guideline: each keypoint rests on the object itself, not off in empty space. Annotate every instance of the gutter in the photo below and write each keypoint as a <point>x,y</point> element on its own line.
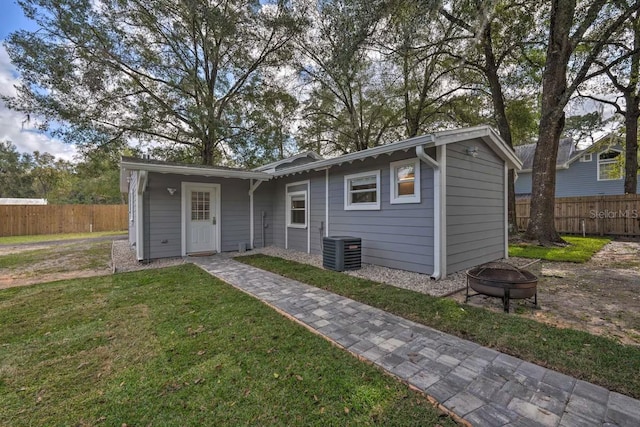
<point>437,208</point>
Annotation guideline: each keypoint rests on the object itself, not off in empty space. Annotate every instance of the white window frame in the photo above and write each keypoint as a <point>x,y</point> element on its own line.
<point>586,157</point>
<point>290,197</point>
<point>394,198</point>
<point>348,206</point>
<point>607,162</point>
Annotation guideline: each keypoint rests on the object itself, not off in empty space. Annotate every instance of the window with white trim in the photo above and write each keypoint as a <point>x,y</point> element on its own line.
<point>609,166</point>
<point>297,209</point>
<point>586,158</point>
<point>362,191</point>
<point>405,181</point>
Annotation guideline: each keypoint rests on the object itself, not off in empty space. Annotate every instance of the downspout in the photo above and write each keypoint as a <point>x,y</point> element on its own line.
<point>506,211</point>
<point>141,186</point>
<point>263,214</point>
<point>437,237</point>
<point>252,188</point>
<point>326,202</point>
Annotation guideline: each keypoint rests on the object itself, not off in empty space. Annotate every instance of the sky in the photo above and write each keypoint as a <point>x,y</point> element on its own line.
<point>22,135</point>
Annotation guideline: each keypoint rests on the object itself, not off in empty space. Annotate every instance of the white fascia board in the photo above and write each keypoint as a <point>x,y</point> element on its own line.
<point>488,135</point>
<point>142,182</point>
<point>198,171</point>
<point>359,155</point>
<point>125,176</point>
<point>272,166</point>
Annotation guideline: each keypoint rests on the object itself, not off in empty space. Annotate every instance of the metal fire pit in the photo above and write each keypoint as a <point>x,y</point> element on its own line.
<point>502,280</point>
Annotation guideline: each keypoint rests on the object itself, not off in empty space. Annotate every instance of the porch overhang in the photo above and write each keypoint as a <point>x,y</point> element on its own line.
<point>205,171</point>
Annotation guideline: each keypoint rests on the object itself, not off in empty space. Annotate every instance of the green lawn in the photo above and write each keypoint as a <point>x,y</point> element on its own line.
<point>60,258</point>
<point>589,357</point>
<point>15,240</point>
<point>176,347</point>
<point>580,249</point>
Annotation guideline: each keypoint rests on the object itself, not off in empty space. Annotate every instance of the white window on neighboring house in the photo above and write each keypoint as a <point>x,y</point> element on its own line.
<point>586,158</point>
<point>405,181</point>
<point>297,209</point>
<point>609,165</point>
<point>362,191</point>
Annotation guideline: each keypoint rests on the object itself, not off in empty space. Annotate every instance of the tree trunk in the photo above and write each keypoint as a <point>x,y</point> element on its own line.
<point>542,220</point>
<point>497,97</point>
<point>631,146</point>
<point>554,87</point>
<point>207,151</point>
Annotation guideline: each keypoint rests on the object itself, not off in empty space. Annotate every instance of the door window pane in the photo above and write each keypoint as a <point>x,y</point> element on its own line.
<point>200,205</point>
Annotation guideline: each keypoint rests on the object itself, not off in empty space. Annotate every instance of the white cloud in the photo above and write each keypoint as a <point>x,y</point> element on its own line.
<point>23,135</point>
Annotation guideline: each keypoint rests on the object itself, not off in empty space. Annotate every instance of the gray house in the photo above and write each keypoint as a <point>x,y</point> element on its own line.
<point>433,204</point>
<point>594,171</point>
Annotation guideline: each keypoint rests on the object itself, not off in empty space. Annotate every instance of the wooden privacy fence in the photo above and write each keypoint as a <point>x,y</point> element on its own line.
<point>53,219</point>
<point>595,215</point>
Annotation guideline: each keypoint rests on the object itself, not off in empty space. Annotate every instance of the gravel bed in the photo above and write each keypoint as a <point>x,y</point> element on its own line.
<point>422,283</point>
<point>453,283</point>
<point>124,259</point>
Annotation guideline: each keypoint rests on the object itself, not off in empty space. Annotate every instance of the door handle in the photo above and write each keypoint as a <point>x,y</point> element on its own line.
<point>213,221</point>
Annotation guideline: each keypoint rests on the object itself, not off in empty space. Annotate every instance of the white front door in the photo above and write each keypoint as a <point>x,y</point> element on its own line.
<point>201,222</point>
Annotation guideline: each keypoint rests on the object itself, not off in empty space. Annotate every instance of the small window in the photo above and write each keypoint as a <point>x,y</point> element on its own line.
<point>405,181</point>
<point>609,166</point>
<point>200,205</point>
<point>362,191</point>
<point>297,209</point>
<point>586,158</point>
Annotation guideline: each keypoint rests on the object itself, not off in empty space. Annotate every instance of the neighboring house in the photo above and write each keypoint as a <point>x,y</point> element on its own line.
<point>594,171</point>
<point>433,204</point>
<point>20,201</point>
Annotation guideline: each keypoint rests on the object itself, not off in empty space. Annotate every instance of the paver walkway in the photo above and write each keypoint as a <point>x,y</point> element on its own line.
<point>482,386</point>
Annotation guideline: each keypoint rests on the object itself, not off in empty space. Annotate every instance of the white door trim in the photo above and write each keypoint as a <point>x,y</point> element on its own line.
<point>306,182</point>
<point>184,191</point>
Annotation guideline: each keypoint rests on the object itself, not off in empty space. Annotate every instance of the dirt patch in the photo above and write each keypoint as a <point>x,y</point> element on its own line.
<point>29,264</point>
<point>601,296</point>
<point>12,282</point>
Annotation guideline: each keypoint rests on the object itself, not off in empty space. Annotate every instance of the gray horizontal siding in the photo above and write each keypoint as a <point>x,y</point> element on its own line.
<point>278,209</point>
<point>234,210</point>
<point>165,213</point>
<point>475,206</point>
<point>396,236</point>
<point>317,217</point>
<point>479,235</point>
<point>263,202</point>
<point>474,257</point>
<point>297,238</point>
<point>581,179</point>
<point>164,216</point>
<point>523,183</point>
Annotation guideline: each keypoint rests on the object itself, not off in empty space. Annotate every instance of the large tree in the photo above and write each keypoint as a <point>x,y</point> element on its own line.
<point>15,168</point>
<point>414,41</point>
<point>173,71</point>
<point>496,37</point>
<point>349,104</point>
<point>578,34</point>
<point>624,77</point>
